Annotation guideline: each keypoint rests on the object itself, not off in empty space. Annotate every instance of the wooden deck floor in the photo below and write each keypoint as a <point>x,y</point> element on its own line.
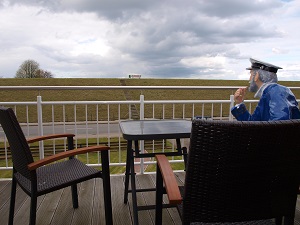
<point>56,208</point>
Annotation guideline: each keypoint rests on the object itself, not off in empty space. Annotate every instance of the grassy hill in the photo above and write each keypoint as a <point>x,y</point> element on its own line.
<point>111,95</point>
<point>115,95</point>
<point>53,95</point>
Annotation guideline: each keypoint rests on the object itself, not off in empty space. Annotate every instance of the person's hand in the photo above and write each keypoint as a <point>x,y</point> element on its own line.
<point>239,95</point>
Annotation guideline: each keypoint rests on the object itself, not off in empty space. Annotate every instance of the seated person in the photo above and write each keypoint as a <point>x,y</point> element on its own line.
<point>276,102</point>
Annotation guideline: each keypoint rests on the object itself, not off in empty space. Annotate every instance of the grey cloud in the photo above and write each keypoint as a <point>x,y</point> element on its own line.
<point>116,9</point>
<point>158,34</point>
<point>42,3</point>
<point>177,71</point>
<point>171,71</point>
<point>110,9</point>
<point>234,8</point>
<point>175,36</point>
<point>61,56</point>
<point>205,20</point>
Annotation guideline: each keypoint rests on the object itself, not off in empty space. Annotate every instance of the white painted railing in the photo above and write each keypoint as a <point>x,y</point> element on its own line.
<point>109,130</point>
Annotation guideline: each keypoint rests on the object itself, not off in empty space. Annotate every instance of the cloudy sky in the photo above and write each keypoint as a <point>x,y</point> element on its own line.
<point>206,39</point>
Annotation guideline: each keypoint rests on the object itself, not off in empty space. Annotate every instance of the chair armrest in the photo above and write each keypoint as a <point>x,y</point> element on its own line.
<point>62,155</point>
<point>169,179</point>
<point>47,137</point>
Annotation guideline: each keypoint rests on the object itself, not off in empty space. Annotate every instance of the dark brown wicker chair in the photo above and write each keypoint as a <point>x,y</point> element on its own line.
<point>43,176</point>
<point>237,173</point>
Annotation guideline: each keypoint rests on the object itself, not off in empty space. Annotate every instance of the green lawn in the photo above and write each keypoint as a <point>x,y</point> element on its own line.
<point>91,158</point>
<point>114,95</point>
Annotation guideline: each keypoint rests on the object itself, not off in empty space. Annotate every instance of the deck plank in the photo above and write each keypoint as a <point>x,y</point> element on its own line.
<point>21,206</point>
<point>144,216</point>
<point>48,207</point>
<point>64,212</point>
<point>121,211</point>
<point>148,197</point>
<point>83,214</point>
<point>297,212</point>
<point>56,208</point>
<point>5,193</point>
<point>23,212</point>
<point>98,216</point>
<point>170,215</point>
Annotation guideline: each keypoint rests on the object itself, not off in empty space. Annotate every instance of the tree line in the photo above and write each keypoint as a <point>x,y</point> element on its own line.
<point>31,69</point>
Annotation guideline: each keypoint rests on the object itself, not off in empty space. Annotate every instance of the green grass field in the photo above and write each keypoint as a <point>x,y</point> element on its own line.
<point>112,95</point>
<point>90,158</point>
<point>105,95</point>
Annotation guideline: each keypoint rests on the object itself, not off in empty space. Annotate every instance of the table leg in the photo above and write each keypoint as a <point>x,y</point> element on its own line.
<point>133,187</point>
<point>129,157</point>
<point>182,150</point>
<point>106,187</point>
<point>130,171</point>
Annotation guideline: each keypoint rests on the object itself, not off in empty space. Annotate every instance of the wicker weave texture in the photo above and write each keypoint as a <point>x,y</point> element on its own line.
<point>59,175</point>
<point>50,177</point>
<point>240,171</point>
<point>21,155</point>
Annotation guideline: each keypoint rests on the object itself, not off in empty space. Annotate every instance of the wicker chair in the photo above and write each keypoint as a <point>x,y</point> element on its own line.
<point>237,173</point>
<point>43,176</point>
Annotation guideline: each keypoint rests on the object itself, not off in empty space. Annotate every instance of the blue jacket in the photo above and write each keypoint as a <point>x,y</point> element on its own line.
<point>276,103</point>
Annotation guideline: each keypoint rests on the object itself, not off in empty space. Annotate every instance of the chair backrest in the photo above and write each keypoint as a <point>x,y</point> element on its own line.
<point>239,171</point>
<point>20,152</point>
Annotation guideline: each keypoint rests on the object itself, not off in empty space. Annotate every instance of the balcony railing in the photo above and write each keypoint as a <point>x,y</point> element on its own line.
<point>96,122</point>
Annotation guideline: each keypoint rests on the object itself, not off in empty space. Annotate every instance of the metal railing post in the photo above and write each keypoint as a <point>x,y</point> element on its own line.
<point>142,117</point>
<point>231,105</point>
<point>40,125</point>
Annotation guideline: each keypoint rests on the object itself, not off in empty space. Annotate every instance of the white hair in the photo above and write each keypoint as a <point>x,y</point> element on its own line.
<point>266,76</point>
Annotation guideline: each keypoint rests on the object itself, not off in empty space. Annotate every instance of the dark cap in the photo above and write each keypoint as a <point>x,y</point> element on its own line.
<point>257,64</point>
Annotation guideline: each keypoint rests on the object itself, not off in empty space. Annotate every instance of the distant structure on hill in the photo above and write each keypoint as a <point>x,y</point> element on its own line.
<point>135,76</point>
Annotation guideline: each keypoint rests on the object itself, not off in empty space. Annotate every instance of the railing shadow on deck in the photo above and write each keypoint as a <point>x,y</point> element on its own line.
<point>56,208</point>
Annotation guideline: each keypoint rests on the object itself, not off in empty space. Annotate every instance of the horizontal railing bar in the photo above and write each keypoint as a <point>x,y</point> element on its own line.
<point>134,102</point>
<point>18,103</point>
<point>6,168</point>
<point>190,101</point>
<point>114,164</point>
<point>119,102</point>
<point>114,87</point>
<point>122,87</point>
<point>88,102</point>
<point>137,163</point>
